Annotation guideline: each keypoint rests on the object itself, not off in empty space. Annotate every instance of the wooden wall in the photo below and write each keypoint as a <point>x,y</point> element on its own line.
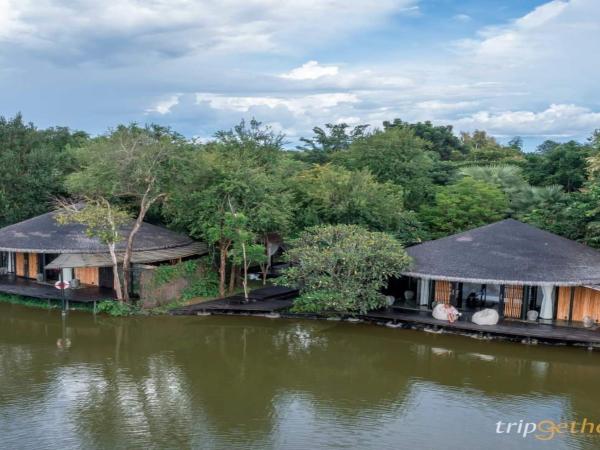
<point>20,265</point>
<point>564,301</point>
<point>586,302</point>
<point>88,275</point>
<point>443,290</point>
<point>513,301</point>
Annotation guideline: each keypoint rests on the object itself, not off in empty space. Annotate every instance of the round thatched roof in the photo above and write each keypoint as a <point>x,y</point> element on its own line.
<point>506,252</point>
<point>42,234</point>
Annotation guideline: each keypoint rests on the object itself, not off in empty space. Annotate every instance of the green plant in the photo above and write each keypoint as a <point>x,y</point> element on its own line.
<point>322,301</point>
<point>114,308</point>
<point>342,268</point>
<point>207,285</point>
<point>27,301</point>
<point>166,274</point>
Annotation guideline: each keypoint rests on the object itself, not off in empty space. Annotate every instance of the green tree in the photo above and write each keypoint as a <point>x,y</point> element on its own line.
<point>35,164</point>
<point>484,149</point>
<point>103,221</point>
<point>466,204</point>
<point>439,139</point>
<point>333,195</point>
<point>132,164</point>
<point>242,171</point>
<point>343,268</point>
<point>328,141</point>
<point>395,155</point>
<point>554,163</point>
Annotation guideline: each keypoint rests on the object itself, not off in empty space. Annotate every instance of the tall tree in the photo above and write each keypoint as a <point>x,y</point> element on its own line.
<point>484,149</point>
<point>131,164</point>
<point>333,195</point>
<point>241,171</point>
<point>102,220</point>
<point>35,164</point>
<point>439,139</point>
<point>564,164</point>
<point>395,155</point>
<point>468,203</point>
<point>328,141</point>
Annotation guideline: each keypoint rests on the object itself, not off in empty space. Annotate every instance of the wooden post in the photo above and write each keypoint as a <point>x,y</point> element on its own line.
<point>62,292</point>
<point>571,301</point>
<point>555,303</point>
<point>431,293</point>
<point>501,302</point>
<point>525,303</point>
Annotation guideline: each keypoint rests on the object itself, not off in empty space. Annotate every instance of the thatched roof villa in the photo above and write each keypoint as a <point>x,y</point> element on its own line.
<point>40,250</point>
<point>508,265</point>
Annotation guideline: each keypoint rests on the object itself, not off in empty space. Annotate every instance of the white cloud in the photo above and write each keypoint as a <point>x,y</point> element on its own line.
<point>164,106</point>
<point>436,105</point>
<point>175,27</point>
<point>462,17</point>
<point>311,71</point>
<point>556,120</point>
<point>296,105</point>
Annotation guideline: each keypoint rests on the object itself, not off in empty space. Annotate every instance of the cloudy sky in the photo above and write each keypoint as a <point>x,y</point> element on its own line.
<point>511,67</point>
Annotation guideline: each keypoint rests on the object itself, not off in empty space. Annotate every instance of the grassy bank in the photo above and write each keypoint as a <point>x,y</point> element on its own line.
<point>31,302</point>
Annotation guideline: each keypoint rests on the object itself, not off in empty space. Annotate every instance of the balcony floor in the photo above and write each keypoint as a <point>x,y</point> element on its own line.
<point>10,284</point>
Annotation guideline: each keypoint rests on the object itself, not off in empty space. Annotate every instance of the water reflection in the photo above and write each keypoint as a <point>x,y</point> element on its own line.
<point>226,382</point>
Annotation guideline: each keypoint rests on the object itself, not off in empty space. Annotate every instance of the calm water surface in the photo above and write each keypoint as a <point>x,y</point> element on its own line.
<point>233,382</point>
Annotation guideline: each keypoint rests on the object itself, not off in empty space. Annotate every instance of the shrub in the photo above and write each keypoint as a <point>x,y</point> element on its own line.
<point>115,308</point>
<point>203,280</point>
<point>204,285</point>
<point>342,268</point>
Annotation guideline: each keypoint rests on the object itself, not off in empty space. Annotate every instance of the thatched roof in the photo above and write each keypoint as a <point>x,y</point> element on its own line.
<point>42,234</point>
<point>506,252</point>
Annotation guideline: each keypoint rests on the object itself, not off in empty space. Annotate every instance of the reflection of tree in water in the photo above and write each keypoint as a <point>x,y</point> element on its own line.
<point>175,382</point>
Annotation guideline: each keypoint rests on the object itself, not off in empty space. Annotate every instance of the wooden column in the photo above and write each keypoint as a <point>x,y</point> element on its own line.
<point>571,301</point>
<point>501,302</point>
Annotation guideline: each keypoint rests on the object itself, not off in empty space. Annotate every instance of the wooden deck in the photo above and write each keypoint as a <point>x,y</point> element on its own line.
<point>275,298</point>
<point>30,288</point>
<point>261,301</point>
<point>511,329</point>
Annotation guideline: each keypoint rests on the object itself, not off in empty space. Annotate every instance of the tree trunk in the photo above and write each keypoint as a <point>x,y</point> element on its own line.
<point>265,268</point>
<point>245,280</point>
<point>129,250</point>
<point>232,278</point>
<point>222,269</point>
<point>116,278</point>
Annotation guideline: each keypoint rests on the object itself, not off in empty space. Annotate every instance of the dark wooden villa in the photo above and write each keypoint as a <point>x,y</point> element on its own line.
<point>36,253</point>
<point>509,266</point>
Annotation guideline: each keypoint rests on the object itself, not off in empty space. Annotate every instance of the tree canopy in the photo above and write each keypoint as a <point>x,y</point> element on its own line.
<point>246,189</point>
<point>343,268</point>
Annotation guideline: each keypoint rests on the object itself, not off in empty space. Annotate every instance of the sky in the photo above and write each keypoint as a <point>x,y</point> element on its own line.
<point>511,67</point>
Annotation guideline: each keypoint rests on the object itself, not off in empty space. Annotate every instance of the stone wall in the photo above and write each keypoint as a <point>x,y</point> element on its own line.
<point>152,296</point>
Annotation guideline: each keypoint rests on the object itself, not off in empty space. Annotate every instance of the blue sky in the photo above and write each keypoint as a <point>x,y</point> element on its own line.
<point>511,67</point>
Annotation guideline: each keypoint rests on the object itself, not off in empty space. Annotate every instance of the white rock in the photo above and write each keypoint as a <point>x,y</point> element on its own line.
<point>588,322</point>
<point>486,317</point>
<point>532,315</point>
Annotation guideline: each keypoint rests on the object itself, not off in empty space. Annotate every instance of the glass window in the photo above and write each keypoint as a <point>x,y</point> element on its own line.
<point>492,293</point>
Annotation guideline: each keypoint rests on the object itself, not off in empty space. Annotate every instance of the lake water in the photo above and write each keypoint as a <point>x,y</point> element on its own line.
<point>235,382</point>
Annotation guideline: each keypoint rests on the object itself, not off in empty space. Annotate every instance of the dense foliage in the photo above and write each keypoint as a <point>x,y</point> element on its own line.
<point>202,280</point>
<point>244,190</point>
<point>342,268</point>
<point>35,163</point>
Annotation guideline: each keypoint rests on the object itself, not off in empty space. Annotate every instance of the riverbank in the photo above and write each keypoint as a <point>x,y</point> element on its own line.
<point>279,306</point>
<point>277,302</point>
